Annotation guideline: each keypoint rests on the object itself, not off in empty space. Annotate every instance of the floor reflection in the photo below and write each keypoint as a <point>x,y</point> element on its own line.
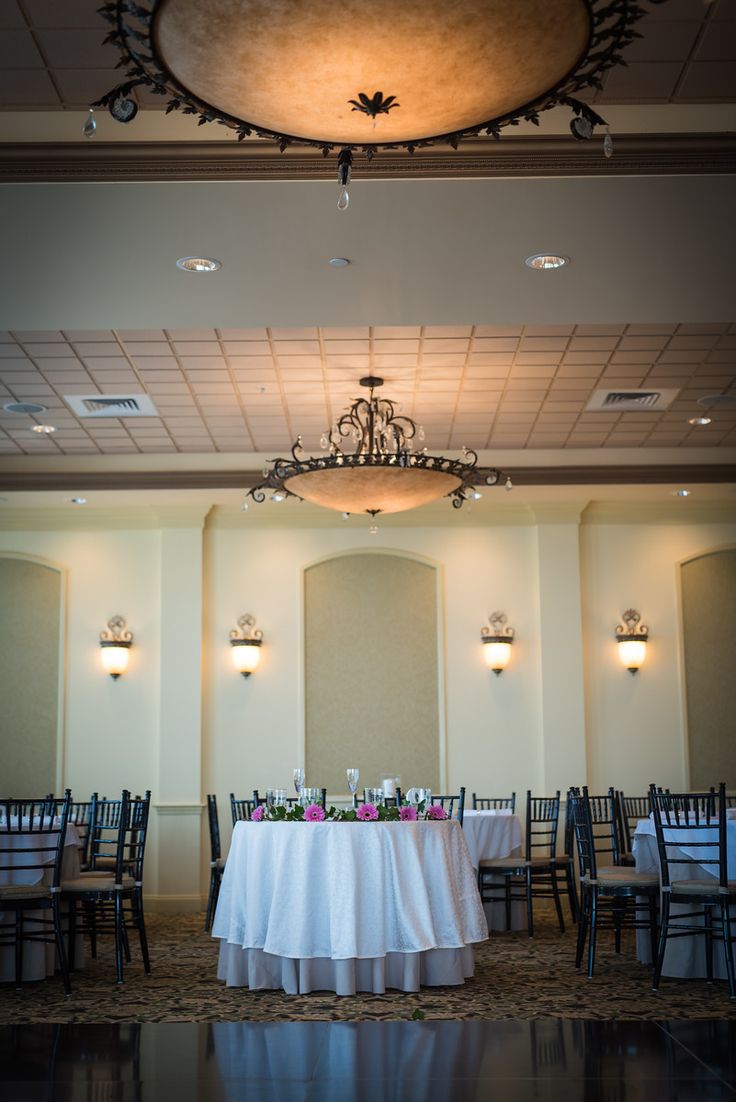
<point>609,1061</point>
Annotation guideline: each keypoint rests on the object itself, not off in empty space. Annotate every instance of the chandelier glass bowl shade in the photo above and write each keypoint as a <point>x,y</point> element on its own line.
<point>371,467</point>
<point>356,75</point>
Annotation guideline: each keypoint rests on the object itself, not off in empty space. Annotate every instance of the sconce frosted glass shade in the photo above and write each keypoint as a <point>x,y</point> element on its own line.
<point>115,659</point>
<point>632,653</point>
<point>497,655</point>
<point>246,655</point>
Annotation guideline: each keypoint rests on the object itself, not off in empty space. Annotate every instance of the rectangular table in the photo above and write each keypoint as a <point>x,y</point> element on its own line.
<point>490,835</point>
<point>684,956</point>
<point>348,907</point>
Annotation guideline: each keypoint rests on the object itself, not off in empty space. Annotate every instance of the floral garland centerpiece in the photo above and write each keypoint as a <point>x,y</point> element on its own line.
<point>364,813</point>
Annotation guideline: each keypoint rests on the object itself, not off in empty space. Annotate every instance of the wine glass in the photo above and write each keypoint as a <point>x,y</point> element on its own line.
<point>298,780</point>
<point>352,775</point>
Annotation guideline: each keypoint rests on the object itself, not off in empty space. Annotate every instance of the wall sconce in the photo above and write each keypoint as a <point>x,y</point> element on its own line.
<point>497,642</point>
<point>116,644</point>
<point>246,642</point>
<point>632,637</point>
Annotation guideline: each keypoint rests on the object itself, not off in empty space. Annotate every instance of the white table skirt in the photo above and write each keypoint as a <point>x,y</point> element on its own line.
<point>347,906</point>
<point>490,835</point>
<point>39,958</point>
<point>684,956</point>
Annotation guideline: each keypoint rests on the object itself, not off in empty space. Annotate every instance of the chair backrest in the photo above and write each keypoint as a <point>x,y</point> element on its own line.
<point>104,828</point>
<point>542,818</point>
<point>494,803</point>
<point>604,818</point>
<point>214,825</point>
<point>136,831</point>
<point>582,820</point>
<point>241,810</point>
<point>631,809</point>
<point>696,821</point>
<point>453,805</point>
<point>397,800</point>
<point>730,801</point>
<point>80,814</point>
<point>32,836</point>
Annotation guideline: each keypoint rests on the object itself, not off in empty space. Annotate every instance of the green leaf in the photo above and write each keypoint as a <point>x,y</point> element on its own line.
<point>418,1016</point>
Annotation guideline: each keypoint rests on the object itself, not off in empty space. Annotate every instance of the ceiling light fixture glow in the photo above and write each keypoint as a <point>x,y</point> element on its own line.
<point>339,261</point>
<point>198,264</point>
<point>546,262</point>
<point>77,500</point>
<point>382,474</point>
<point>352,76</point>
<point>45,429</point>
<point>681,493</point>
<point>700,420</point>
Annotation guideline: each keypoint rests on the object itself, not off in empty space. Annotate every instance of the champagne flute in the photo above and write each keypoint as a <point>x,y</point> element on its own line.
<point>298,780</point>
<point>352,775</point>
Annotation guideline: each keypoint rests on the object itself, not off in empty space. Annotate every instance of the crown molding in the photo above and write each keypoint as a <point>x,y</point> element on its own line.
<point>219,479</point>
<point>635,154</point>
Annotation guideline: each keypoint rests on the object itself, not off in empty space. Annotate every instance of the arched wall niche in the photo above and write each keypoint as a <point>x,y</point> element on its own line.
<point>708,604</point>
<point>32,596</point>
<point>373,669</point>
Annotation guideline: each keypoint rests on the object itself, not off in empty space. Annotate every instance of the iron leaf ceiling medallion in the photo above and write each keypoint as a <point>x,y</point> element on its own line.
<point>382,473</point>
<point>352,76</point>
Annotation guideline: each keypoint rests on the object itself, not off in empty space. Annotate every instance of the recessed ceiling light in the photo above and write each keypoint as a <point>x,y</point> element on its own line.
<point>722,401</point>
<point>339,261</point>
<point>545,262</point>
<point>24,407</point>
<point>699,420</point>
<point>681,493</point>
<point>46,429</point>
<point>198,264</point>
<point>77,500</point>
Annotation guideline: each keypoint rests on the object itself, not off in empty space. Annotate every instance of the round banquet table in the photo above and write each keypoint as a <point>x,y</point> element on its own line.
<point>347,907</point>
<point>490,835</point>
<point>684,956</point>
<point>39,958</point>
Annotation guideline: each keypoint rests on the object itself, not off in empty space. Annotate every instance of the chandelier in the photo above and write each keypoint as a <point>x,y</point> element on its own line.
<point>347,76</point>
<point>382,473</point>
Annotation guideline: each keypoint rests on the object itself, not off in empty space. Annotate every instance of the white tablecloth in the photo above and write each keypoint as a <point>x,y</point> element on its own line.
<point>684,956</point>
<point>39,959</point>
<point>347,907</point>
<point>490,835</point>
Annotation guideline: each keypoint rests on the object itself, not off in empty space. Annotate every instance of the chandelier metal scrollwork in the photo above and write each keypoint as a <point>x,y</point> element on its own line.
<point>202,54</point>
<point>381,472</point>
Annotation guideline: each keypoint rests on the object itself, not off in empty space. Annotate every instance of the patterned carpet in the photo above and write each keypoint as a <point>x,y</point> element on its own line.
<point>515,978</point>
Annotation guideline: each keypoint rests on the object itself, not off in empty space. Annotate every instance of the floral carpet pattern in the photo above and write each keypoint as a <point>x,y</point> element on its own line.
<point>516,978</point>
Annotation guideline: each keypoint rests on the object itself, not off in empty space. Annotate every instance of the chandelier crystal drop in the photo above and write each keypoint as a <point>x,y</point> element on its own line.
<point>363,77</point>
<point>371,466</point>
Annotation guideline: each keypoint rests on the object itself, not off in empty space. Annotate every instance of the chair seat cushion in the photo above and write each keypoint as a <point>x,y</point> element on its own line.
<point>95,873</point>
<point>701,887</point>
<point>618,877</point>
<point>23,891</point>
<point>503,864</point>
<point>95,884</point>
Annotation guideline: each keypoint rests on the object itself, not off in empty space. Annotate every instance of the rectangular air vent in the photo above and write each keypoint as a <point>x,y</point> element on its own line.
<point>108,405</point>
<point>625,401</point>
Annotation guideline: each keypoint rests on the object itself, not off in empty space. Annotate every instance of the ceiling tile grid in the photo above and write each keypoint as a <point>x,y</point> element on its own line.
<point>523,388</point>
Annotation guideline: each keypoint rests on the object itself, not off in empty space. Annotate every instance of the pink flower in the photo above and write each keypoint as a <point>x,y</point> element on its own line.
<point>314,813</point>
<point>435,811</point>
<point>408,813</point>
<point>367,811</point>
<point>258,813</point>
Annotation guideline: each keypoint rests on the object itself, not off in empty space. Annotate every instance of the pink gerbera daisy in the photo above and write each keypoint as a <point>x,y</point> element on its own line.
<point>314,813</point>
<point>436,811</point>
<point>408,813</point>
<point>367,811</point>
<point>258,813</point>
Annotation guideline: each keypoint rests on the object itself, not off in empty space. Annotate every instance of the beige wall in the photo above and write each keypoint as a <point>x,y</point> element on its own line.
<point>184,723</point>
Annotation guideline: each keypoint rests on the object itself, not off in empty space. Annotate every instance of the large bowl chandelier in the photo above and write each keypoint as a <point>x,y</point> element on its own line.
<point>347,76</point>
<point>370,465</point>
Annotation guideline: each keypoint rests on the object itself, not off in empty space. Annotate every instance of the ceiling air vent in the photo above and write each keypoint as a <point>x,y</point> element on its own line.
<point>108,405</point>
<point>625,401</point>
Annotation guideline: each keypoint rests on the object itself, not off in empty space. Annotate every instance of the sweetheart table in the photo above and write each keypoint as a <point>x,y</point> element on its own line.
<point>347,907</point>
